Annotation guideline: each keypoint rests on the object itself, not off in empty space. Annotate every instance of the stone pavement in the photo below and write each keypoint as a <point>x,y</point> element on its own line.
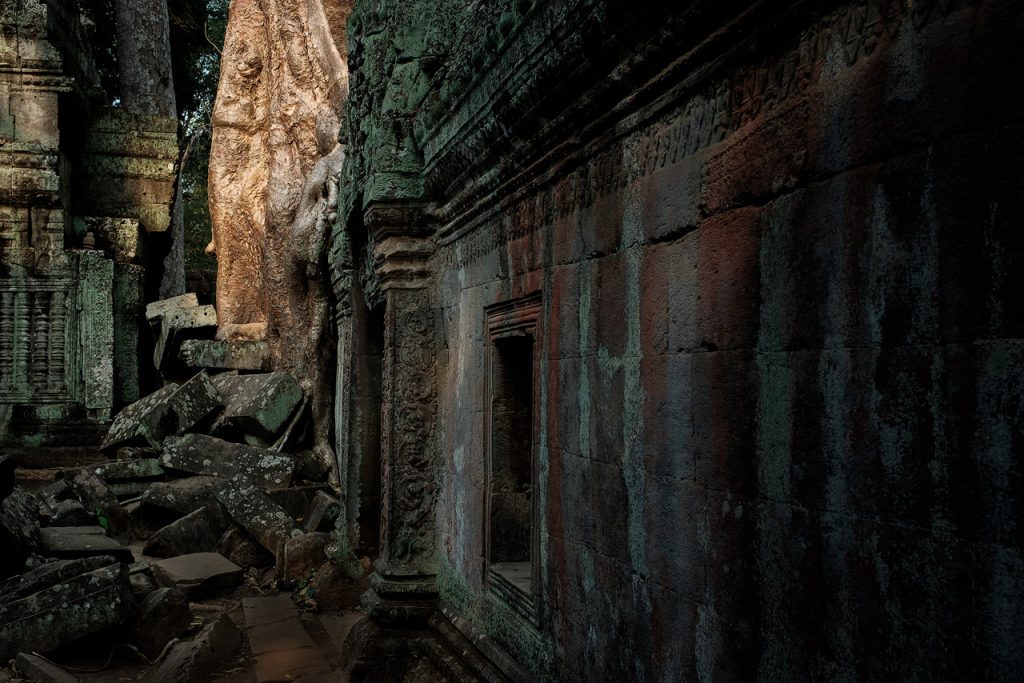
<point>283,647</point>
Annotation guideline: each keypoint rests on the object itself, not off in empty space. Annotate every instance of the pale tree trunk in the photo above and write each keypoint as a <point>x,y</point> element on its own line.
<point>147,87</point>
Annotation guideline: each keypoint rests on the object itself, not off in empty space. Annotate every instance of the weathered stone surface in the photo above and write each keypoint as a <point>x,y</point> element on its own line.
<point>142,579</point>
<point>199,658</point>
<point>97,497</point>
<point>127,477</point>
<point>39,670</point>
<point>257,404</point>
<point>66,611</point>
<point>205,455</point>
<point>176,327</point>
<point>200,574</point>
<point>239,546</point>
<point>169,307</point>
<point>19,529</point>
<point>163,615</point>
<point>72,513</point>
<point>49,575</point>
<point>258,514</point>
<point>167,412</point>
<point>196,532</point>
<point>280,643</point>
<point>322,512</point>
<point>183,495</point>
<point>81,541</point>
<point>302,554</point>
<point>229,354</point>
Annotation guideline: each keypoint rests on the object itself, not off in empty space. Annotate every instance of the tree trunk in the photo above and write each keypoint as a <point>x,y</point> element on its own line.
<point>147,87</point>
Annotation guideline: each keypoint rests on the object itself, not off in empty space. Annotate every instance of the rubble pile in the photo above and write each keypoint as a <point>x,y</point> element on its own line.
<point>206,492</point>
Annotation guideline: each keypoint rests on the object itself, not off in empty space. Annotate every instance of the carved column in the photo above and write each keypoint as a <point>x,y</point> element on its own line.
<point>403,585</point>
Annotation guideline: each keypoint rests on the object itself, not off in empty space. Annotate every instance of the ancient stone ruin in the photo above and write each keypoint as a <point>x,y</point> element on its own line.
<point>569,340</point>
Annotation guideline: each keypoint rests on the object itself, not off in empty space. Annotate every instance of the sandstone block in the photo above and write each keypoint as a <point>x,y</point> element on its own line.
<point>37,669</point>
<point>169,411</point>
<point>229,355</point>
<point>257,404</point>
<point>165,307</point>
<point>97,497</point>
<point>163,615</point>
<point>182,496</point>
<point>206,455</point>
<point>81,541</point>
<point>71,513</point>
<point>197,659</point>
<point>66,611</point>
<point>302,554</point>
<point>322,513</point>
<point>200,574</point>
<point>196,532</point>
<point>258,514</point>
<point>240,547</point>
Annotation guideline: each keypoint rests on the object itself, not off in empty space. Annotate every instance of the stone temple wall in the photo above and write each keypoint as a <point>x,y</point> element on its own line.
<point>71,264</point>
<point>778,363</point>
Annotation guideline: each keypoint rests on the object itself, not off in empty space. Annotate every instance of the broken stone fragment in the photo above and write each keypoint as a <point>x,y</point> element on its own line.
<point>240,547</point>
<point>302,554</point>
<point>164,307</point>
<point>126,477</point>
<point>64,612</point>
<point>71,513</point>
<point>19,530</point>
<point>163,615</point>
<point>167,412</point>
<point>198,454</point>
<point>296,500</point>
<point>322,512</point>
<point>97,497</point>
<point>200,574</point>
<point>182,496</point>
<point>196,532</point>
<point>48,575</point>
<point>177,326</point>
<point>256,404</point>
<point>142,579</point>
<point>258,514</point>
<point>228,355</point>
<point>38,670</point>
<point>199,658</point>
<point>67,542</point>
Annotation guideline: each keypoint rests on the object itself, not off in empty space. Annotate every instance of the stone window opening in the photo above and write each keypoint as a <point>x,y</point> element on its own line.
<point>511,528</point>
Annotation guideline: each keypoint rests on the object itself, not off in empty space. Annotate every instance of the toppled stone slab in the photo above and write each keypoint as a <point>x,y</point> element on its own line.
<point>96,496</point>
<point>183,495</point>
<point>167,412</point>
<point>322,512</point>
<point>126,477</point>
<point>240,547</point>
<point>163,615</point>
<point>177,326</point>
<point>196,532</point>
<point>37,669</point>
<point>71,513</point>
<point>258,514</point>
<point>48,575</point>
<point>19,530</point>
<point>296,500</point>
<point>159,309</point>
<point>228,355</point>
<point>256,404</point>
<point>302,554</point>
<point>198,659</point>
<point>142,579</point>
<point>206,455</point>
<point>68,542</point>
<point>62,613</point>
<point>200,574</point>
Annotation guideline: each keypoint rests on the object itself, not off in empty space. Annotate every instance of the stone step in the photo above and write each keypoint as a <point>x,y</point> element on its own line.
<point>281,645</point>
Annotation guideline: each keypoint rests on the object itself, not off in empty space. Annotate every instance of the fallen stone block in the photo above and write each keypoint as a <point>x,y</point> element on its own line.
<point>302,554</point>
<point>183,495</point>
<point>240,547</point>
<point>128,477</point>
<point>48,575</point>
<point>322,513</point>
<point>159,309</point>
<point>227,355</point>
<point>163,615</point>
<point>205,455</point>
<point>200,574</point>
<point>133,452</point>
<point>62,613</point>
<point>142,580</point>
<point>177,326</point>
<point>168,412</point>
<point>71,513</point>
<point>196,532</point>
<point>258,514</point>
<point>19,530</point>
<point>256,404</point>
<point>296,500</point>
<point>68,542</point>
<point>97,497</point>
<point>198,659</point>
<point>38,670</point>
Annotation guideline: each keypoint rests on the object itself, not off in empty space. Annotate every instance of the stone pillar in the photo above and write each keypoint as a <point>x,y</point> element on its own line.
<point>403,583</point>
